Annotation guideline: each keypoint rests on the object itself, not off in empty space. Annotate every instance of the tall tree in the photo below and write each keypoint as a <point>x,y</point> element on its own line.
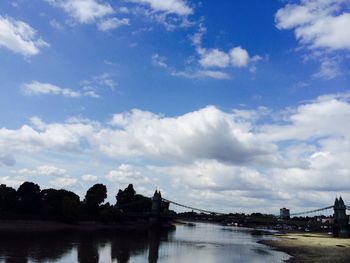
<point>29,197</point>
<point>94,197</point>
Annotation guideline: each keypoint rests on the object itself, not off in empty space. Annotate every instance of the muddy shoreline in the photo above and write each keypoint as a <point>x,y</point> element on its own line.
<point>311,247</point>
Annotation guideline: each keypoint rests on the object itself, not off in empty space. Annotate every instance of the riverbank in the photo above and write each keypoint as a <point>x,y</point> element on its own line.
<point>312,247</point>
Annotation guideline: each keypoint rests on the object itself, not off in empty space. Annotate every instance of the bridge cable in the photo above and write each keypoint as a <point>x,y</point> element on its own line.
<point>311,211</point>
<point>192,208</point>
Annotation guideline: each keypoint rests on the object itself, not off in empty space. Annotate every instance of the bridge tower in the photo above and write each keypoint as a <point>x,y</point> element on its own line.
<point>156,208</point>
<point>341,220</point>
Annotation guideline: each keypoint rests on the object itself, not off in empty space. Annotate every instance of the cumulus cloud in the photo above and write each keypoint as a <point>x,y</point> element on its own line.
<point>214,58</point>
<point>214,175</point>
<point>237,57</point>
<point>321,27</point>
<point>238,157</point>
<point>182,137</point>
<point>317,23</point>
<point>323,117</point>
<point>84,11</point>
<point>19,37</point>
<point>90,12</point>
<point>61,137</point>
<point>38,88</point>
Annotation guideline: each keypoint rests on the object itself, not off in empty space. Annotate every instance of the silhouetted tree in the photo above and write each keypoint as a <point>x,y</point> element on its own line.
<point>29,197</point>
<point>61,204</point>
<point>129,201</point>
<point>8,199</point>
<point>94,197</point>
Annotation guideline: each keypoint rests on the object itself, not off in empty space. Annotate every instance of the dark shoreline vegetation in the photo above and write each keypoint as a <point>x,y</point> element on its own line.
<point>30,203</point>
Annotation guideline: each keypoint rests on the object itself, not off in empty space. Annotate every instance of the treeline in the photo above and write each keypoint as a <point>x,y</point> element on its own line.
<point>30,202</point>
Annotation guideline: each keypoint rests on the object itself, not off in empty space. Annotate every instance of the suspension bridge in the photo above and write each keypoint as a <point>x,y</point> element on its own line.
<point>160,208</point>
<point>340,223</point>
<point>306,212</point>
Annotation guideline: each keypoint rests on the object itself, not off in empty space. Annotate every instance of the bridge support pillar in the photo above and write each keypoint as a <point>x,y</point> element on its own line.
<point>155,219</point>
<point>341,220</point>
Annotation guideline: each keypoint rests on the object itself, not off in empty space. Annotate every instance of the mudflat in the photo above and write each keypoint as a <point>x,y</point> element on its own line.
<point>312,247</point>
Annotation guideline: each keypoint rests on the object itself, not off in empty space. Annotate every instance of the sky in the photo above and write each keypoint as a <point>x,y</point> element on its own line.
<point>233,106</point>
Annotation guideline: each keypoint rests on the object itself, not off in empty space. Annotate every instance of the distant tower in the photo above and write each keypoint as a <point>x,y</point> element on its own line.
<point>156,202</point>
<point>284,213</point>
<point>341,220</point>
<point>156,208</point>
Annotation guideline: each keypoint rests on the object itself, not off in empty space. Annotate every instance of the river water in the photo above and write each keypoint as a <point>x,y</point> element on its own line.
<point>202,243</point>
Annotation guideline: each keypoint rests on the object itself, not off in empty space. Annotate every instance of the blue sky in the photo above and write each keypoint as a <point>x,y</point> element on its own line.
<point>233,105</point>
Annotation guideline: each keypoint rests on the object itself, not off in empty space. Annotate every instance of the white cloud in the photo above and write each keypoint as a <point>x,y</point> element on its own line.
<point>125,174</point>
<point>62,179</point>
<point>103,80</point>
<point>317,23</point>
<point>19,37</point>
<point>326,116</point>
<point>236,57</point>
<point>44,170</point>
<point>35,88</point>
<point>238,158</point>
<point>214,58</point>
<point>89,177</point>
<point>56,137</point>
<point>112,23</point>
<point>322,27</point>
<point>84,11</point>
<point>171,14</point>
<point>145,134</point>
<point>213,175</point>
<point>329,69</point>
<point>239,57</point>
<point>12,181</point>
<point>63,182</point>
<point>38,88</point>
<point>159,61</point>
<point>178,7</point>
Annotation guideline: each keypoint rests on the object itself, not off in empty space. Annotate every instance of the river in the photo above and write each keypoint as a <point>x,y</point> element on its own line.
<point>202,243</point>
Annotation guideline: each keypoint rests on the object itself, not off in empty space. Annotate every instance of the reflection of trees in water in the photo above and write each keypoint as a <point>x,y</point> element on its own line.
<point>19,247</point>
<point>88,249</point>
<point>52,246</point>
<point>123,247</point>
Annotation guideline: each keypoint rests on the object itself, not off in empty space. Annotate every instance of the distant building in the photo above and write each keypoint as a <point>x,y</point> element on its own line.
<point>284,213</point>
